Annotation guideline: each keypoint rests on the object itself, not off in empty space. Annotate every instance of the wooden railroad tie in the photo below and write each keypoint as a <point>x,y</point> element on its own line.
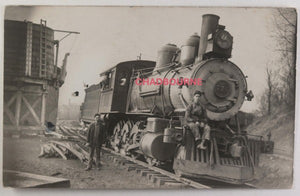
<point>143,171</point>
<point>154,178</point>
<point>176,185</point>
<point>162,181</point>
<point>132,168</point>
<point>150,175</point>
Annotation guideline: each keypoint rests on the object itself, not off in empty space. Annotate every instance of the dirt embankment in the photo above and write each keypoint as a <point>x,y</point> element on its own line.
<point>276,170</point>
<point>281,126</point>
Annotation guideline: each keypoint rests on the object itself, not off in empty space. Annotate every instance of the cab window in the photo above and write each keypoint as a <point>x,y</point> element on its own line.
<point>106,81</point>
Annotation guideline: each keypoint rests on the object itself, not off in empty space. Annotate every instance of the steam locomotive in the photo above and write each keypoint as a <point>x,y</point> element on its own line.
<point>148,120</point>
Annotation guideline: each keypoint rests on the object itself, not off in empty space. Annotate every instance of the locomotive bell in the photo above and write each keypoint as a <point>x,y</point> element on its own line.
<point>165,56</point>
<point>189,51</point>
<point>222,43</point>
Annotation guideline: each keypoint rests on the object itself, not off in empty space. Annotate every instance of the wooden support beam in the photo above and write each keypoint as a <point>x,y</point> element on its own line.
<point>13,88</point>
<point>23,128</point>
<point>24,91</point>
<point>36,118</point>
<point>9,114</point>
<point>32,92</point>
<point>43,112</point>
<point>18,109</point>
<point>12,99</point>
<point>28,112</point>
<point>10,88</point>
<point>31,80</point>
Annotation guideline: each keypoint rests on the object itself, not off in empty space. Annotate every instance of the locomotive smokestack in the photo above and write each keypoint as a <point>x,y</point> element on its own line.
<point>210,23</point>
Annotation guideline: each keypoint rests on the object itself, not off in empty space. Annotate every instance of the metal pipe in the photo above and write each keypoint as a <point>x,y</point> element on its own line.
<point>56,43</point>
<point>210,23</point>
<point>62,31</point>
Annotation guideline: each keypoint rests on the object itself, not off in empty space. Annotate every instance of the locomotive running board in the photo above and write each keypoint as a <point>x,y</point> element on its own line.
<point>226,173</point>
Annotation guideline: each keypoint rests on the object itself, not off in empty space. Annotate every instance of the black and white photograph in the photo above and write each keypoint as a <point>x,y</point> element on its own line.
<point>149,97</point>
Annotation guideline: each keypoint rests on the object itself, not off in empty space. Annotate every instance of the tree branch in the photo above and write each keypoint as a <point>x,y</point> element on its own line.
<point>285,18</point>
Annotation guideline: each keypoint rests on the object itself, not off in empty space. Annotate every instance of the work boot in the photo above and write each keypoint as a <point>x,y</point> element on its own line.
<point>99,165</point>
<point>88,168</point>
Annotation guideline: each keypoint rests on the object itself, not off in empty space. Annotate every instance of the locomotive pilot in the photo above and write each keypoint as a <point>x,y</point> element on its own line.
<point>195,117</point>
<point>95,138</point>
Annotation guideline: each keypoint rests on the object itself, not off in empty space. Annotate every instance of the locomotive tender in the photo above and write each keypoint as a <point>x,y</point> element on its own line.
<point>148,120</point>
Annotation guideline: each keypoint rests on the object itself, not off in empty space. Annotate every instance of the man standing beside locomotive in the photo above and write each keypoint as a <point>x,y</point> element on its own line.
<point>195,116</point>
<point>95,138</point>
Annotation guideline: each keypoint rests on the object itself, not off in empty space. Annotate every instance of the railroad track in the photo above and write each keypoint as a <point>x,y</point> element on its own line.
<point>153,174</point>
<point>162,177</point>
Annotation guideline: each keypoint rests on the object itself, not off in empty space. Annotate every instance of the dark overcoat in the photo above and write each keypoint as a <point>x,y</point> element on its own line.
<point>96,134</point>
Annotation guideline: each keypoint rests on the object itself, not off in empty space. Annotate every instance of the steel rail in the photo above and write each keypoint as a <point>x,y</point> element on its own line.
<point>161,171</point>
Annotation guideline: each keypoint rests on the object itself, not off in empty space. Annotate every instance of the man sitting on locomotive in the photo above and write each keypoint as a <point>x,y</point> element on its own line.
<point>195,117</point>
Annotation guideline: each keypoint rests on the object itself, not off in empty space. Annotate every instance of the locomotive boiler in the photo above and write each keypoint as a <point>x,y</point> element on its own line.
<point>144,102</point>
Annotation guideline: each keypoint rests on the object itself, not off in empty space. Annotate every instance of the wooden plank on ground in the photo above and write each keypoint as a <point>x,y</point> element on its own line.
<point>59,151</point>
<point>71,149</point>
<point>19,179</point>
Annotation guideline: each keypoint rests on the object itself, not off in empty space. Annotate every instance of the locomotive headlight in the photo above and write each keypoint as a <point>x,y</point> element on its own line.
<point>223,39</point>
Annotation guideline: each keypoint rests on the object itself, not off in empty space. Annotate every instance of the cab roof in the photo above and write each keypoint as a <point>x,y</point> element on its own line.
<point>146,62</point>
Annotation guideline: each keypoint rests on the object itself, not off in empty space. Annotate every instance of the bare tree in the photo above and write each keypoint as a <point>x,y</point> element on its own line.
<point>271,98</point>
<point>281,78</point>
<point>269,73</point>
<point>285,33</point>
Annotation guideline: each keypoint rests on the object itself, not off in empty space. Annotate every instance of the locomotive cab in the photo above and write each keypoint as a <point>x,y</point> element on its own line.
<point>104,98</point>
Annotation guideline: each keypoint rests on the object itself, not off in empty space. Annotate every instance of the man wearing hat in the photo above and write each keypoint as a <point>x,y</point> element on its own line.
<point>196,119</point>
<point>95,138</point>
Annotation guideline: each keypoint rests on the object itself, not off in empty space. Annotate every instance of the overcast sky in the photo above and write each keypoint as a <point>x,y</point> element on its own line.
<point>109,35</point>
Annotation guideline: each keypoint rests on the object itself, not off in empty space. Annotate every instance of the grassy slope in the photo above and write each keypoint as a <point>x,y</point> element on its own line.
<point>281,125</point>
<point>274,171</point>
